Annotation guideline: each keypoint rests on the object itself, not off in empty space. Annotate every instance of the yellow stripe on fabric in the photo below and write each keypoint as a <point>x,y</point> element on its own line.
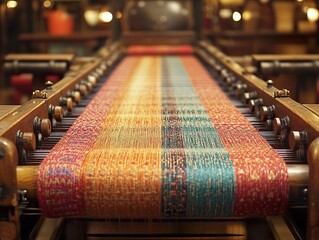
<point>122,172</point>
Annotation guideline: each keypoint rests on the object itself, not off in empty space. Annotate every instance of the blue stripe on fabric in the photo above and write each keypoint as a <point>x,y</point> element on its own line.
<point>209,173</point>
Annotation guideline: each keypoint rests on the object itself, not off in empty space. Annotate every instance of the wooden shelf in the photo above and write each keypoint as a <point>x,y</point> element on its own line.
<point>76,36</point>
<point>259,34</point>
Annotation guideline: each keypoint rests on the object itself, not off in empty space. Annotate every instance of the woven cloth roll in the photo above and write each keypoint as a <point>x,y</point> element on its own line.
<point>160,50</point>
<point>160,139</point>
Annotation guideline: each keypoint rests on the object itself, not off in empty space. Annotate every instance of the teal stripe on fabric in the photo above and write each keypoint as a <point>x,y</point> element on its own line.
<point>209,172</point>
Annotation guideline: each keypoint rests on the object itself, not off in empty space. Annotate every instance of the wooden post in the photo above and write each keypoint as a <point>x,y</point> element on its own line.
<point>9,228</point>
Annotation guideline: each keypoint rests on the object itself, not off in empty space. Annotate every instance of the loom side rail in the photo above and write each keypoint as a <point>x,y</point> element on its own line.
<point>25,126</point>
<point>42,101</point>
<point>313,191</point>
<point>301,120</point>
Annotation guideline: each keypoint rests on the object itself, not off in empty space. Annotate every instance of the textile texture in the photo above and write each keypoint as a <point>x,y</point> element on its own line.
<point>160,139</point>
<point>160,50</point>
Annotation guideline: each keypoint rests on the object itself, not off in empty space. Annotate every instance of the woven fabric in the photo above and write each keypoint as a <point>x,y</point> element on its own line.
<point>161,139</point>
<point>160,50</point>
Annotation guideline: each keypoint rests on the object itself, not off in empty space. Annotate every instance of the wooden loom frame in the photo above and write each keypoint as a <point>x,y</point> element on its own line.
<point>21,118</point>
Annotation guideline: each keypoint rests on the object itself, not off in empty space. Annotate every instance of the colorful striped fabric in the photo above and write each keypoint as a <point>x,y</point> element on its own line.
<point>160,50</point>
<point>160,139</point>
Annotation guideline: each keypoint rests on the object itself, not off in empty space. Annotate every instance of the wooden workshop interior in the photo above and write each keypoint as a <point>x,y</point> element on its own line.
<point>159,119</point>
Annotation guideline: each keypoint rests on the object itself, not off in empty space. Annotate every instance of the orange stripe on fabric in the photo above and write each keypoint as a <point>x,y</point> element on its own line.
<point>60,184</point>
<point>127,154</point>
<point>160,50</point>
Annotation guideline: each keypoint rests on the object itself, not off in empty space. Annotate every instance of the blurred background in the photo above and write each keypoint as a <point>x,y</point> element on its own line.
<point>237,27</point>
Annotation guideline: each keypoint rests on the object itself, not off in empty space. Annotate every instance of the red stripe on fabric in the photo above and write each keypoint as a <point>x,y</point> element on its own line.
<point>261,174</point>
<point>160,50</point>
<point>60,177</point>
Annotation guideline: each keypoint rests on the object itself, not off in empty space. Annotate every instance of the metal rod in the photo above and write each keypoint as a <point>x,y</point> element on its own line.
<point>297,173</point>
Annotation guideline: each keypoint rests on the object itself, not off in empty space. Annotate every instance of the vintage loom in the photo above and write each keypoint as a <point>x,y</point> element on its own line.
<point>165,145</point>
<point>173,142</point>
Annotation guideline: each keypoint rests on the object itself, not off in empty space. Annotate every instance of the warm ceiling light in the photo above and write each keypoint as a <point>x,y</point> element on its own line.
<point>47,4</point>
<point>312,14</point>
<point>174,6</point>
<point>247,15</point>
<point>236,16</point>
<point>225,13</point>
<point>12,4</point>
<point>118,15</point>
<point>91,17</point>
<point>106,16</point>
<point>141,4</point>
